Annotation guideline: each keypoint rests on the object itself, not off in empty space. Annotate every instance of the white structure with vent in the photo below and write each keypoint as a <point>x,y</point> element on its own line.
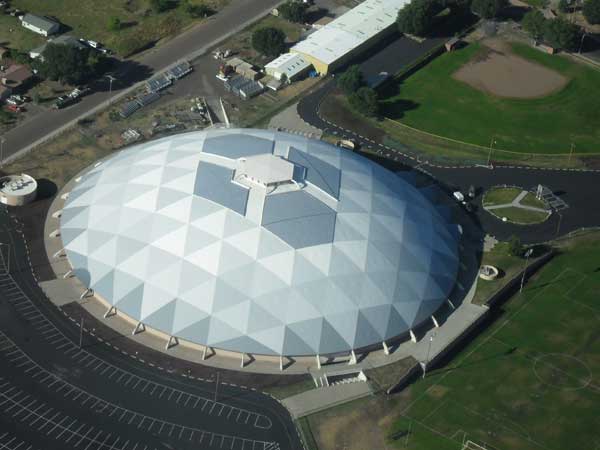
<point>17,190</point>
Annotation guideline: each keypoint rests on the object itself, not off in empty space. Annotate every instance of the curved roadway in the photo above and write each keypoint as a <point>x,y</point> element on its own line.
<point>56,395</point>
<point>580,189</point>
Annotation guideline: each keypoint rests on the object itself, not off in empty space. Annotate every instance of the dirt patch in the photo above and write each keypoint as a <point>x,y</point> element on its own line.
<point>499,72</point>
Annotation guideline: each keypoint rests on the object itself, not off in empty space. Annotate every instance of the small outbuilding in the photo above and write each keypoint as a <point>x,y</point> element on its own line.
<point>289,66</point>
<point>40,24</point>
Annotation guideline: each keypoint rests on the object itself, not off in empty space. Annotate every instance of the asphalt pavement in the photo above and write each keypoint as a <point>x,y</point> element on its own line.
<point>56,394</point>
<point>192,43</point>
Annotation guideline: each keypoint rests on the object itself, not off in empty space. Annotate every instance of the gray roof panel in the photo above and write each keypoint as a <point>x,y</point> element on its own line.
<point>214,183</point>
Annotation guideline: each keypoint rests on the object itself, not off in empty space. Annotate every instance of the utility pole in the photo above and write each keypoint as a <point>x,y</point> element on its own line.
<point>492,142</point>
<point>527,255</point>
<point>558,225</point>
<point>81,333</point>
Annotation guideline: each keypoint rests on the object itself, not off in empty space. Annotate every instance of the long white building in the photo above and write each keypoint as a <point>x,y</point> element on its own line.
<point>350,34</point>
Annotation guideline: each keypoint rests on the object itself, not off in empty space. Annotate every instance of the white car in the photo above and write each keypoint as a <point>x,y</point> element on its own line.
<point>94,44</point>
<point>458,196</point>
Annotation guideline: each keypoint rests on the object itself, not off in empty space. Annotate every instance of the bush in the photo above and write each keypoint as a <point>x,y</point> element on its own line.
<point>114,24</point>
<point>159,6</point>
<point>417,17</point>
<point>591,11</point>
<point>196,11</point>
<point>563,6</point>
<point>561,34</point>
<point>269,41</point>
<point>294,11</point>
<point>515,248</point>
<point>351,80</point>
<point>365,101</point>
<point>534,23</point>
<point>488,9</point>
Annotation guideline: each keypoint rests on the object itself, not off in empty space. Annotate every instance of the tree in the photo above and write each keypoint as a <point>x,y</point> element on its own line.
<point>488,9</point>
<point>351,80</point>
<point>561,34</point>
<point>294,11</point>
<point>69,64</point>
<point>591,11</point>
<point>417,17</point>
<point>534,23</point>
<point>114,24</point>
<point>200,10</point>
<point>269,41</point>
<point>563,6</point>
<point>159,6</point>
<point>515,248</point>
<point>365,101</point>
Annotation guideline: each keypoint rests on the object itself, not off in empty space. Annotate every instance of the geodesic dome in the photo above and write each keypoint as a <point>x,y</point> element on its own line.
<point>260,242</point>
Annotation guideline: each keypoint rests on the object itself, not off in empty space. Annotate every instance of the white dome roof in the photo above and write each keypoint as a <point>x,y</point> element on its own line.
<point>320,252</point>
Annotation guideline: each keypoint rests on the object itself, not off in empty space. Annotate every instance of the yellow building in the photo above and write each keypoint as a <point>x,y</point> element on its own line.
<point>341,40</point>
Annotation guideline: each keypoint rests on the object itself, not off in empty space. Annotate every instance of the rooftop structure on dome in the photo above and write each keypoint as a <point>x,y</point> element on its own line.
<point>17,190</point>
<point>260,242</point>
<point>333,45</point>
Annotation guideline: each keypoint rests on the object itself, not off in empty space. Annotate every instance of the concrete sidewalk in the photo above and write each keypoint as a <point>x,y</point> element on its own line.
<point>310,402</point>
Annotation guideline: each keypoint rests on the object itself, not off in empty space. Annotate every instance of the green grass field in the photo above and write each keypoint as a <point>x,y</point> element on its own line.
<point>530,381</point>
<point>520,215</point>
<point>89,19</point>
<point>500,196</point>
<point>431,100</point>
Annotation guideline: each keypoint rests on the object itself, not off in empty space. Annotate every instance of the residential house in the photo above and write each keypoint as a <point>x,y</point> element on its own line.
<point>40,25</point>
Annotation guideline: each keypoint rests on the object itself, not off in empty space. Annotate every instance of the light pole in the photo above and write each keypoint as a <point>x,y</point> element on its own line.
<point>581,43</point>
<point>492,142</point>
<point>81,333</point>
<point>571,152</point>
<point>110,82</point>
<point>527,255</point>
<point>2,140</point>
<point>558,225</point>
<point>427,357</point>
<point>216,386</point>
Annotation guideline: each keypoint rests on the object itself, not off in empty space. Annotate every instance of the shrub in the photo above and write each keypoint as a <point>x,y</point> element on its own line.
<point>417,17</point>
<point>114,24</point>
<point>561,34</point>
<point>488,9</point>
<point>591,11</point>
<point>534,23</point>
<point>294,11</point>
<point>351,80</point>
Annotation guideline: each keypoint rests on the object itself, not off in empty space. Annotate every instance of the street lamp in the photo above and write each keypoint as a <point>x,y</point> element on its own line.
<point>427,357</point>
<point>2,140</point>
<point>492,142</point>
<point>581,43</point>
<point>110,82</point>
<point>527,255</point>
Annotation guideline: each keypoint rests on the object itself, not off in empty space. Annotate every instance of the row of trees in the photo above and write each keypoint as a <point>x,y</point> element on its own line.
<point>557,32</point>
<point>418,17</point>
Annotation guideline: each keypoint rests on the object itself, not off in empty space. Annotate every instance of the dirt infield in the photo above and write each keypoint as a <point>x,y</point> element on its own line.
<point>499,72</point>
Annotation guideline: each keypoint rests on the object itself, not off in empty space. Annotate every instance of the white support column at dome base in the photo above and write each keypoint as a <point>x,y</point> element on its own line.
<point>112,311</point>
<point>412,336</point>
<point>243,360</point>
<point>318,361</point>
<point>206,348</point>
<point>56,214</point>
<point>85,293</point>
<point>65,195</point>
<point>140,327</point>
<point>435,322</point>
<point>58,253</point>
<point>451,304</point>
<point>172,342</point>
<point>386,349</point>
<point>281,363</point>
<point>68,273</point>
<point>352,360</point>
<point>55,233</point>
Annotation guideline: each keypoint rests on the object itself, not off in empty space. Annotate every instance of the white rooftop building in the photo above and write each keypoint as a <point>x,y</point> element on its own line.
<point>353,32</point>
<point>292,65</point>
